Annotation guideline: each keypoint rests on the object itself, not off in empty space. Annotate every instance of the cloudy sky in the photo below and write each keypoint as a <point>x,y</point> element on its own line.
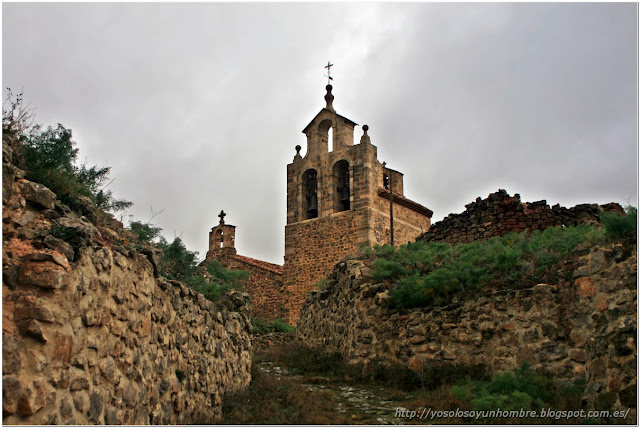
<point>198,107</point>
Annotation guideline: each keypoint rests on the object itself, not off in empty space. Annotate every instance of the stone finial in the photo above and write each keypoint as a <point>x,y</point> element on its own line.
<point>365,137</point>
<point>222,215</point>
<point>297,156</point>
<point>329,98</point>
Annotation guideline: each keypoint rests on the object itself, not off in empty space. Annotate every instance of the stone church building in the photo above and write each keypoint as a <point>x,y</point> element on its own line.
<point>337,202</point>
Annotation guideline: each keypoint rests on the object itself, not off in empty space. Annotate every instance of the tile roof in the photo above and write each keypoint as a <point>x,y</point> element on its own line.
<point>272,267</point>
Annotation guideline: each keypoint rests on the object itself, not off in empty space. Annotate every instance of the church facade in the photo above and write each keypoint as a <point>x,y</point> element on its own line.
<point>338,201</point>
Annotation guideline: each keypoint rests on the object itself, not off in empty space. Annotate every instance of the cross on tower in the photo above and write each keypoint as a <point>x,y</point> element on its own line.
<point>328,67</point>
<point>221,215</point>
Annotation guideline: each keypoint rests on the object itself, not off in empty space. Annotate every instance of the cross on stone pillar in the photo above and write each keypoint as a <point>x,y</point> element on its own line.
<point>221,215</point>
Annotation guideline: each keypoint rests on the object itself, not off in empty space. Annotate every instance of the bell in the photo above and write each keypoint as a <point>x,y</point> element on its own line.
<point>313,205</point>
<point>345,194</point>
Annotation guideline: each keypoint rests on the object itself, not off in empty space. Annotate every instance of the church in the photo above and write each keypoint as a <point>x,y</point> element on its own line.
<point>338,201</point>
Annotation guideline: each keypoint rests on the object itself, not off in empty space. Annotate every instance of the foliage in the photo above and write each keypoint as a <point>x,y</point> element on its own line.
<point>521,389</point>
<point>323,283</point>
<point>145,232</point>
<point>16,117</point>
<point>49,157</point>
<point>619,226</point>
<point>261,326</point>
<point>217,282</point>
<point>68,234</point>
<point>178,263</point>
<point>437,273</point>
<point>271,400</point>
<point>232,277</point>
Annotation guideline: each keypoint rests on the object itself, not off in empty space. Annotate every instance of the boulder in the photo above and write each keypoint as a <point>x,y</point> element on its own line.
<point>38,194</point>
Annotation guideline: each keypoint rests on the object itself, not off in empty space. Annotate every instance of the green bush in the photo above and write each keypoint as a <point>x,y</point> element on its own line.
<point>50,158</point>
<point>283,327</point>
<point>261,326</point>
<point>619,226</point>
<point>178,263</point>
<point>145,232</point>
<point>521,389</point>
<point>436,274</point>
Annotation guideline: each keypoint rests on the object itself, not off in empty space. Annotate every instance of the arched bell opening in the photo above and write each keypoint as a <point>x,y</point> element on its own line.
<point>342,198</point>
<point>310,194</point>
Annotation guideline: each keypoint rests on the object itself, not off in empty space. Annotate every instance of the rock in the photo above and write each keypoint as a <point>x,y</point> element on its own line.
<point>11,358</point>
<point>155,256</point>
<point>110,417</point>
<point>38,194</point>
<point>34,329</point>
<point>41,274</point>
<point>11,392</point>
<point>32,399</point>
<point>59,245</point>
<point>65,407</point>
<point>95,407</point>
<point>79,232</point>
<point>79,402</point>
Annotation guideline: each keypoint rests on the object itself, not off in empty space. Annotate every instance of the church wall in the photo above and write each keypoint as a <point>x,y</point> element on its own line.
<point>264,288</point>
<point>313,247</point>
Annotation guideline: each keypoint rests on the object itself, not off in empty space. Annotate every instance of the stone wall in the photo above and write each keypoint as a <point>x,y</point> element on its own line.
<point>500,214</point>
<point>264,284</point>
<point>92,335</point>
<point>582,329</point>
<point>312,249</point>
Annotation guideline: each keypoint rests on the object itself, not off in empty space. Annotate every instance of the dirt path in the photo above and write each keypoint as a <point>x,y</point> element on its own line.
<point>362,405</point>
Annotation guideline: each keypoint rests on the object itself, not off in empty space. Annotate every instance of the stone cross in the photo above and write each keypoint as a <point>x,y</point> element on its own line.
<point>221,215</point>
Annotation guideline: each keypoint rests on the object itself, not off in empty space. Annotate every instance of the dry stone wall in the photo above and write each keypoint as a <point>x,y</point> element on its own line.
<point>582,329</point>
<point>500,214</point>
<point>92,335</point>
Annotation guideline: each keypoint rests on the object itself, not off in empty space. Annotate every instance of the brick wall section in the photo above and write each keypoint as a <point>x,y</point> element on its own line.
<point>264,284</point>
<point>585,328</point>
<point>500,214</point>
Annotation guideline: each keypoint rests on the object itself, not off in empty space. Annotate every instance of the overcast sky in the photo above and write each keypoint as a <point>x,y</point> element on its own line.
<point>198,107</point>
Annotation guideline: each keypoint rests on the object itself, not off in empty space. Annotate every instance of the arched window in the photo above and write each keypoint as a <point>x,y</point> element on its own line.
<point>310,193</point>
<point>342,198</point>
<point>325,129</point>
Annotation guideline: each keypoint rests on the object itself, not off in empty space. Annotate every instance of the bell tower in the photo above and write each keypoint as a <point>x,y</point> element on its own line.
<point>337,201</point>
<point>222,239</point>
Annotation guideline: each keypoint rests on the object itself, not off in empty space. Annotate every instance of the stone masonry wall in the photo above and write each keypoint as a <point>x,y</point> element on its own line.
<point>582,329</point>
<point>264,284</point>
<point>313,248</point>
<point>92,335</point>
<point>500,214</point>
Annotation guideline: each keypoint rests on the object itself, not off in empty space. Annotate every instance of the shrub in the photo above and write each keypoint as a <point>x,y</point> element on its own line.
<point>50,158</point>
<point>619,226</point>
<point>145,232</point>
<point>521,389</point>
<point>283,327</point>
<point>436,274</point>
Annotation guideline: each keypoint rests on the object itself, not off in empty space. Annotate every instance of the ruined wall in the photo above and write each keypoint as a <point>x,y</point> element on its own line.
<point>585,328</point>
<point>91,335</point>
<point>500,214</point>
